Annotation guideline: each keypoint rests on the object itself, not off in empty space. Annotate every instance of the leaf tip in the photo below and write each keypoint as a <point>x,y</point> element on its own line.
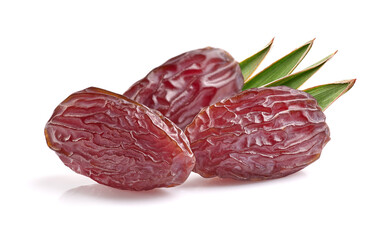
<point>330,56</point>
<point>350,82</point>
<point>309,44</point>
<point>270,43</point>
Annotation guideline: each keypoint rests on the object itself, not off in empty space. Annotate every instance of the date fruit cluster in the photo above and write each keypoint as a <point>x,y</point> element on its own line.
<point>189,114</point>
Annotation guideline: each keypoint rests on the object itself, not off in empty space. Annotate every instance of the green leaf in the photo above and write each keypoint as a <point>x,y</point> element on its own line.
<point>297,79</point>
<point>328,93</point>
<point>280,68</point>
<point>249,65</point>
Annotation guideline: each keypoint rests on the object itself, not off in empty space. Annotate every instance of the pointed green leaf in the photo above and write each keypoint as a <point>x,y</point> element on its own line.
<point>297,79</point>
<point>328,93</point>
<point>280,68</point>
<point>249,65</point>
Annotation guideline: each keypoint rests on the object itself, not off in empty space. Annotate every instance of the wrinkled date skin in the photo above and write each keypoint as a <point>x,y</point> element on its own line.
<point>261,133</point>
<point>118,142</point>
<point>185,84</point>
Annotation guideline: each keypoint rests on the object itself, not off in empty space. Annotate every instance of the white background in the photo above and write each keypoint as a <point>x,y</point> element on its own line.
<point>49,49</point>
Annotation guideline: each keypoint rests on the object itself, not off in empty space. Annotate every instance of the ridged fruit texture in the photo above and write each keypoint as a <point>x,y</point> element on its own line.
<point>118,142</point>
<point>261,133</point>
<point>185,84</point>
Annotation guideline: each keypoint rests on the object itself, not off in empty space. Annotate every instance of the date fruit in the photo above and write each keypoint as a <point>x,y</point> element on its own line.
<point>185,84</point>
<point>260,133</point>
<point>118,142</point>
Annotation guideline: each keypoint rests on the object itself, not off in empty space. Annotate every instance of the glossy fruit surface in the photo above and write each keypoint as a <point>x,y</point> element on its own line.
<point>260,133</point>
<point>118,142</point>
<point>185,84</point>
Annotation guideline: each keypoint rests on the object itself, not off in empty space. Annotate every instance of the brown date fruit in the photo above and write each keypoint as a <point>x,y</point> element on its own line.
<point>260,133</point>
<point>118,142</point>
<point>185,84</point>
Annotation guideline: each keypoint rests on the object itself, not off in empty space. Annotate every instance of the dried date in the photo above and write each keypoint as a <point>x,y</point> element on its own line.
<point>185,84</point>
<point>118,142</point>
<point>258,134</point>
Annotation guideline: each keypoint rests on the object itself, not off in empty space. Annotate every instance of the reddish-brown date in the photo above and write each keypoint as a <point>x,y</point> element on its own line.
<point>118,142</point>
<point>261,133</point>
<point>185,84</point>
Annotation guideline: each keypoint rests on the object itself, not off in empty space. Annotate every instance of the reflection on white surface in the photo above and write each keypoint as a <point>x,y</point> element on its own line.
<point>77,188</point>
<point>100,192</point>
<point>197,181</point>
<point>60,183</point>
